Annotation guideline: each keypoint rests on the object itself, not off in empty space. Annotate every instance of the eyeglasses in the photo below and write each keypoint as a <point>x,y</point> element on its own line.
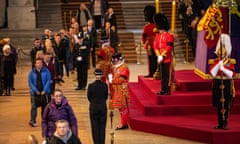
<point>58,95</point>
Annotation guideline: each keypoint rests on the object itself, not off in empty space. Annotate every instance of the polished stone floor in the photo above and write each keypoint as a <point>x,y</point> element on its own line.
<point>15,112</point>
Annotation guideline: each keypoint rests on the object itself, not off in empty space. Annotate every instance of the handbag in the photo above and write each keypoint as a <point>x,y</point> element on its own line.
<point>40,100</point>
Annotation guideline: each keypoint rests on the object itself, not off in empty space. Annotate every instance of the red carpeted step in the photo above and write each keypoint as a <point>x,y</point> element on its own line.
<point>187,113</point>
<point>192,127</point>
<point>187,80</point>
<point>178,103</point>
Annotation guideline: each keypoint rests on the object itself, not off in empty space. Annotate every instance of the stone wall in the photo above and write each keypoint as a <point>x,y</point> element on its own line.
<point>21,14</point>
<point>2,12</point>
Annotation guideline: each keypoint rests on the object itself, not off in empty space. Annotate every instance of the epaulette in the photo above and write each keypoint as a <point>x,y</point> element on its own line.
<point>211,61</point>
<point>231,61</point>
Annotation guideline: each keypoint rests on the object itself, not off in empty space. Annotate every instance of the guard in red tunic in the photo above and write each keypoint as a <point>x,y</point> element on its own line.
<point>104,58</point>
<point>148,36</point>
<point>119,88</point>
<point>222,71</point>
<point>163,46</point>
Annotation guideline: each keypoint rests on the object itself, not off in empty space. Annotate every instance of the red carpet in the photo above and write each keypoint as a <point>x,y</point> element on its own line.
<point>187,113</point>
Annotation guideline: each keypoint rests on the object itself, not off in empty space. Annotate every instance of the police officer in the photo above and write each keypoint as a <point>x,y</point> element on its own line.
<point>81,52</point>
<point>97,95</point>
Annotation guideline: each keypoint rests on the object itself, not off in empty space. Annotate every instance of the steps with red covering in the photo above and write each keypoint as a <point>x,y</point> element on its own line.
<point>187,113</point>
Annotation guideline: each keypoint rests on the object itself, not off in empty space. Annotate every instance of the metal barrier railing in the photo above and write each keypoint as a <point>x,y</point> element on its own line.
<point>186,51</point>
<point>138,47</point>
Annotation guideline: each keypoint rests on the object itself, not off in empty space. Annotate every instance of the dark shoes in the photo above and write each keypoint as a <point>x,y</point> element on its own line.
<point>123,127</point>
<point>32,124</point>
<point>79,88</point>
<point>221,127</point>
<point>163,93</point>
<point>147,76</point>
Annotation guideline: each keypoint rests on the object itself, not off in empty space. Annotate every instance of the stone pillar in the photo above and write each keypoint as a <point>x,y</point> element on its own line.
<point>2,12</point>
<point>21,15</point>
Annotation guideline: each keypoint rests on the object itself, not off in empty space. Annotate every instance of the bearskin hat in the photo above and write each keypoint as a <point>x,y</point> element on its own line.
<point>161,22</point>
<point>149,12</point>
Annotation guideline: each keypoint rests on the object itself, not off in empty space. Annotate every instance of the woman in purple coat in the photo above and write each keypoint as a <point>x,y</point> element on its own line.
<point>57,109</point>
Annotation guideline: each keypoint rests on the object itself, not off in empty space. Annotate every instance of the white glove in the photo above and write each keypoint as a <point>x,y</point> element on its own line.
<point>227,72</point>
<point>44,142</point>
<point>159,59</point>
<point>110,78</point>
<point>215,69</point>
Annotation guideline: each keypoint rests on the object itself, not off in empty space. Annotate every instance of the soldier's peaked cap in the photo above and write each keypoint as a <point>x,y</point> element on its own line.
<point>98,71</point>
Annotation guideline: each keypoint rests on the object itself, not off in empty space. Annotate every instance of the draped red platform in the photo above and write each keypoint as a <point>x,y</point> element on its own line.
<point>187,113</point>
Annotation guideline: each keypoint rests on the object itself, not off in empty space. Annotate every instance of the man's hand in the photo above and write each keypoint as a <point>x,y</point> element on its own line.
<point>110,78</point>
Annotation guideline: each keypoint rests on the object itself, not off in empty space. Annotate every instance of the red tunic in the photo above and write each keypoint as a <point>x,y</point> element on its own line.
<point>163,45</point>
<point>119,86</point>
<point>148,35</point>
<point>104,61</point>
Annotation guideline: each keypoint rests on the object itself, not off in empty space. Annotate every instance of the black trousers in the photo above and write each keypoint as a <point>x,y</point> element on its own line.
<point>98,21</point>
<point>98,119</point>
<point>152,63</point>
<point>223,106</point>
<point>82,74</point>
<point>66,68</point>
<point>93,58</point>
<point>165,77</point>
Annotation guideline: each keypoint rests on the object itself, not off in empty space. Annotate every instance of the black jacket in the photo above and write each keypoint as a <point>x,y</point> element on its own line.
<point>97,95</point>
<point>72,140</point>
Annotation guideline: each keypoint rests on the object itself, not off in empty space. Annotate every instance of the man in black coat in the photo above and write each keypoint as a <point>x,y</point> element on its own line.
<point>93,41</point>
<point>97,95</point>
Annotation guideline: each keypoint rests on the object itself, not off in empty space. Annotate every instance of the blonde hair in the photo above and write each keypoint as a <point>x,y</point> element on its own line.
<point>48,43</point>
<point>40,52</point>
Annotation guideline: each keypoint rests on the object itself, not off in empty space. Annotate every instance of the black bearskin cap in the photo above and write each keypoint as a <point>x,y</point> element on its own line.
<point>149,12</point>
<point>161,22</point>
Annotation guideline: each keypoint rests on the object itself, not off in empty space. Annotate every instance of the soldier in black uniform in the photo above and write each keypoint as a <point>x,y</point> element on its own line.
<point>81,52</point>
<point>97,95</point>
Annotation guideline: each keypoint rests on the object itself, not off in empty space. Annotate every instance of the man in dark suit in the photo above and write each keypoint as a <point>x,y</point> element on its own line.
<point>98,9</point>
<point>97,95</point>
<point>111,34</point>
<point>93,41</point>
<point>111,17</point>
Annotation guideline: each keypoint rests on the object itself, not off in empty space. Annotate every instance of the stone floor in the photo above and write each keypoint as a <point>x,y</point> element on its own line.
<point>15,113</point>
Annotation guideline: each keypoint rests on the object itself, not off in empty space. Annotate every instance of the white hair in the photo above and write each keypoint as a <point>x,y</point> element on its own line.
<point>5,47</point>
<point>224,39</point>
